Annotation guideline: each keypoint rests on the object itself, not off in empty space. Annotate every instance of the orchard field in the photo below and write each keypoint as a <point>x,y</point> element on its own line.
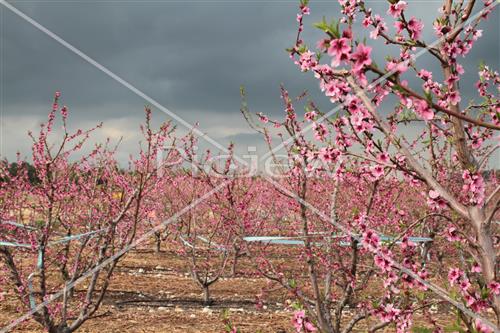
<point>380,215</point>
<point>152,292</point>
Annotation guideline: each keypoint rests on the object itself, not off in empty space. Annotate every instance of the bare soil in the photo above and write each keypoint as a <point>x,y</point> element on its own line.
<point>152,292</point>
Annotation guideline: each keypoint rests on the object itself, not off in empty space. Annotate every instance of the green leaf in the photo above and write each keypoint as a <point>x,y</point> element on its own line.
<point>297,306</point>
<point>302,49</point>
<point>428,96</point>
<point>485,293</point>
<point>321,25</point>
<point>420,295</point>
<point>397,87</point>
<point>332,28</point>
<point>482,64</point>
<point>454,328</point>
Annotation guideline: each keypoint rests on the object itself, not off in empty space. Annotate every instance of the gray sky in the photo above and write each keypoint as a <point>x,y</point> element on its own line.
<point>191,56</point>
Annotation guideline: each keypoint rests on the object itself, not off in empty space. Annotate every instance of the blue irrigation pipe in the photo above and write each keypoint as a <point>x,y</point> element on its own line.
<point>40,254</point>
<point>283,240</point>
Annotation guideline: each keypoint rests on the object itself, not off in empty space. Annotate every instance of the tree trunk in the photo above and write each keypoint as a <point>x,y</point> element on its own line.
<point>235,261</point>
<point>486,253</point>
<point>158,242</point>
<point>322,314</point>
<point>62,328</point>
<point>206,295</point>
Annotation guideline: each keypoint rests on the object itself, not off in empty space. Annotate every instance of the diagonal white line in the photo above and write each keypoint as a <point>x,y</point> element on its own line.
<point>109,260</point>
<point>382,78</point>
<point>114,76</point>
<point>436,289</point>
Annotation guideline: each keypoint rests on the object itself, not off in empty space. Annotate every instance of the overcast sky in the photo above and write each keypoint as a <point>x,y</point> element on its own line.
<point>190,56</point>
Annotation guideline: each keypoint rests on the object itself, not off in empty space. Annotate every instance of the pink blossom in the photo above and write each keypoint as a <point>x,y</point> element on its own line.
<point>454,275</point>
<point>328,154</point>
<point>307,61</point>
<point>320,131</point>
<point>482,328</point>
<point>399,26</point>
<point>425,75</point>
<point>397,67</point>
<point>305,10</point>
<point>396,9</point>
<point>454,97</point>
<point>377,171</point>
<point>464,285</point>
<point>322,44</point>
<point>389,313</point>
<point>423,110</point>
<point>436,204</point>
<point>383,157</point>
<point>370,240</point>
<point>477,34</point>
<point>451,80</point>
<point>473,187</point>
<point>64,112</point>
<point>331,89</point>
<point>367,21</point>
<point>433,194</point>
<point>310,116</point>
<point>477,141</point>
<point>383,263</point>
<point>309,327</point>
<point>263,118</point>
<point>339,49</point>
<point>415,27</point>
<point>494,287</point>
<point>362,57</point>
<point>440,29</point>
<point>452,234</point>
<point>476,268</point>
<point>469,299</point>
<point>380,27</point>
<point>302,323</point>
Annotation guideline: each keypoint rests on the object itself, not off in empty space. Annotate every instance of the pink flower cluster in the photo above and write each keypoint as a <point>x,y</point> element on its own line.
<point>396,9</point>
<point>482,328</point>
<point>472,298</point>
<point>435,201</point>
<point>423,109</point>
<point>473,187</point>
<point>307,61</point>
<point>389,313</point>
<point>370,240</point>
<point>302,323</point>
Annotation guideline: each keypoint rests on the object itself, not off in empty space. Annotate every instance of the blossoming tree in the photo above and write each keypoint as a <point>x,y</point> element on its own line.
<point>74,223</point>
<point>339,237</point>
<point>414,123</point>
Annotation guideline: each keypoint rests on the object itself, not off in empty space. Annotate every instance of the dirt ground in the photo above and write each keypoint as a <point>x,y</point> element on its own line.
<point>151,292</point>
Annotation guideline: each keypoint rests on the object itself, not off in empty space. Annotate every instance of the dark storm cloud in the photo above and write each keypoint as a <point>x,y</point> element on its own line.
<point>189,56</point>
